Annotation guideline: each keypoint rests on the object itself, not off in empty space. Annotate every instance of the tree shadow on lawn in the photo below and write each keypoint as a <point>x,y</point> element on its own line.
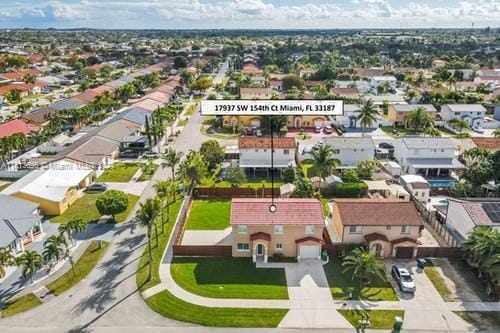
<point>222,270</point>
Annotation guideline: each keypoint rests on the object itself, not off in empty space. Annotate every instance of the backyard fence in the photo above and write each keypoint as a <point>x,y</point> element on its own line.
<point>236,192</point>
<point>438,252</point>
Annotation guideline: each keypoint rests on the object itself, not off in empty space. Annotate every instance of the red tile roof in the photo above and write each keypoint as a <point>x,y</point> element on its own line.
<point>376,212</point>
<point>252,142</point>
<point>20,74</point>
<point>487,143</point>
<point>16,126</point>
<point>344,91</point>
<point>252,211</point>
<point>251,69</point>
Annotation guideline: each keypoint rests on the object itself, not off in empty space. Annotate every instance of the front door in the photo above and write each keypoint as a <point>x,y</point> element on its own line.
<point>260,249</point>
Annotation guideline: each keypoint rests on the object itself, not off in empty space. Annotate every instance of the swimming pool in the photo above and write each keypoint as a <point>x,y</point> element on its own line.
<point>442,183</point>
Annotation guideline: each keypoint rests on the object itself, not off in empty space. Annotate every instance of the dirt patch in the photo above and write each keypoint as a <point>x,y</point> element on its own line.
<point>454,278</point>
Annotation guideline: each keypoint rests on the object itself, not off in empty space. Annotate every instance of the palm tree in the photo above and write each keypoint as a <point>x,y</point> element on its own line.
<point>146,216</point>
<point>323,161</point>
<point>432,131</point>
<point>419,119</point>
<point>72,227</point>
<point>163,189</point>
<point>54,249</point>
<point>6,259</point>
<point>367,115</point>
<point>362,264</point>
<point>476,156</point>
<point>30,80</point>
<point>460,123</point>
<point>30,262</point>
<point>171,160</point>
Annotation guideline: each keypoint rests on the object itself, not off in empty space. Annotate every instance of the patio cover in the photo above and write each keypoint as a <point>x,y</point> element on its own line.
<point>435,163</point>
<point>252,163</point>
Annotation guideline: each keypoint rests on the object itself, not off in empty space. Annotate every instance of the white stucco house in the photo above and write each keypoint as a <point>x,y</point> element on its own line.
<point>417,186</point>
<point>472,113</point>
<point>377,81</point>
<point>351,150</point>
<point>349,118</point>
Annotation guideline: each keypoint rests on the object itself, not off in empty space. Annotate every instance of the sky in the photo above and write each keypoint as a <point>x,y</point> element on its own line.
<point>248,14</point>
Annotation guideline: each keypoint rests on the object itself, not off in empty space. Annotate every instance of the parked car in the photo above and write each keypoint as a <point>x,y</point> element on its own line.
<point>307,150</point>
<point>403,278</point>
<point>96,188</point>
<point>258,133</point>
<point>386,145</point>
<point>129,154</point>
<point>317,129</point>
<point>317,145</point>
<point>249,131</point>
<point>150,154</point>
<point>328,129</point>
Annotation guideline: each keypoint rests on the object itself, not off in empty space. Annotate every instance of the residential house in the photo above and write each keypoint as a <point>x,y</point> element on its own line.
<point>255,152</point>
<point>94,151</point>
<point>472,113</point>
<point>17,126</point>
<point>255,93</point>
<point>417,185</point>
<point>20,222</point>
<point>294,229</point>
<point>351,150</point>
<point>54,187</point>
<point>463,215</point>
<point>389,227</point>
<point>491,144</point>
<point>397,113</point>
<point>377,81</point>
<point>491,81</point>
<point>39,116</point>
<point>352,93</point>
<point>66,104</point>
<point>427,156</point>
<point>349,118</point>
<point>370,72</point>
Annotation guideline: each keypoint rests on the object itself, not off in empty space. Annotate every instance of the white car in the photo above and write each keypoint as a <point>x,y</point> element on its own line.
<point>479,130</point>
<point>403,278</point>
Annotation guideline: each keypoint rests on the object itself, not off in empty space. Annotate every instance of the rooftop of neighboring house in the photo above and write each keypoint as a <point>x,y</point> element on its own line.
<point>251,69</point>
<point>252,142</point>
<point>38,116</point>
<point>349,142</point>
<point>411,107</point>
<point>158,96</point>
<point>20,74</point>
<point>256,90</point>
<point>253,211</point>
<point>370,71</point>
<point>17,217</point>
<point>69,103</point>
<point>376,212</point>
<point>17,126</point>
<point>482,211</point>
<point>344,91</point>
<point>486,143</point>
<point>134,114</point>
<point>91,150</point>
<point>465,107</point>
<point>417,142</point>
<point>148,104</point>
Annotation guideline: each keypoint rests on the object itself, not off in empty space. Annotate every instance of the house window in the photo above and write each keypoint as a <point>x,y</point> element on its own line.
<point>64,201</point>
<point>279,247</point>
<point>256,150</point>
<point>286,151</point>
<point>388,227</point>
<point>242,247</point>
<point>309,229</point>
<point>242,229</point>
<point>278,229</point>
<point>355,229</point>
<point>405,229</point>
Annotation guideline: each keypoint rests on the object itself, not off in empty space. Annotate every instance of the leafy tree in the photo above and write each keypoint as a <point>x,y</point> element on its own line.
<point>236,176</point>
<point>30,80</point>
<point>367,115</point>
<point>128,60</point>
<point>212,152</point>
<point>289,174</point>
<point>30,262</point>
<point>419,119</point>
<point>146,216</point>
<point>366,168</point>
<point>323,161</point>
<point>171,160</point>
<point>180,62</point>
<point>459,123</point>
<point>304,189</point>
<point>112,202</point>
<point>201,84</point>
<point>363,265</point>
<point>6,259</point>
<point>71,228</point>
<point>479,174</point>
<point>13,96</point>
<point>292,80</point>
<point>476,156</point>
<point>350,176</point>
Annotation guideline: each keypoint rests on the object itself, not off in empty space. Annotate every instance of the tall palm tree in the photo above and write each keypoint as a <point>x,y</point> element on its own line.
<point>362,264</point>
<point>30,262</point>
<point>367,115</point>
<point>163,189</point>
<point>146,216</point>
<point>54,249</point>
<point>171,160</point>
<point>323,161</point>
<point>6,259</point>
<point>71,228</point>
<point>460,123</point>
<point>419,119</point>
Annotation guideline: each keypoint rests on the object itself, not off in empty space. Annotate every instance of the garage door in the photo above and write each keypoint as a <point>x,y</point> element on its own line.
<point>404,252</point>
<point>318,122</point>
<point>255,122</point>
<point>309,252</point>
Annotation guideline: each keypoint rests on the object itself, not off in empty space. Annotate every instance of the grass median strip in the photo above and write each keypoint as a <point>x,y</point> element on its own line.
<point>379,319</point>
<point>439,283</point>
<point>20,304</point>
<point>221,277</point>
<point>170,306</point>
<point>81,269</point>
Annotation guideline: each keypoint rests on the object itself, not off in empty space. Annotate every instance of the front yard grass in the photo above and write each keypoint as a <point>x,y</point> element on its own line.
<point>379,319</point>
<point>84,208</point>
<point>143,177</point>
<point>142,271</point>
<point>221,277</point>
<point>254,183</point>
<point>170,306</point>
<point>20,304</point>
<point>483,321</point>
<point>209,214</point>
<point>119,172</point>
<point>80,270</point>
<point>342,285</point>
<point>439,283</point>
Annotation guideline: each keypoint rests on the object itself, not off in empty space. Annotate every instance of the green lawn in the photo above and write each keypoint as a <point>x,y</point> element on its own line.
<point>379,319</point>
<point>21,304</point>
<point>84,208</point>
<point>251,182</point>
<point>437,280</point>
<point>4,186</point>
<point>220,277</point>
<point>170,306</point>
<point>143,177</point>
<point>119,172</point>
<point>341,285</point>
<point>483,321</point>
<point>142,271</point>
<point>209,214</point>
<point>80,270</point>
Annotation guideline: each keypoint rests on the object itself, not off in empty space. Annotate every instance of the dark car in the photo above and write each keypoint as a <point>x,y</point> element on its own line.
<point>386,145</point>
<point>96,187</point>
<point>129,154</point>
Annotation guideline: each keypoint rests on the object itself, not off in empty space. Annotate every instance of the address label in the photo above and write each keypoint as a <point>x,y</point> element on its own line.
<point>272,107</point>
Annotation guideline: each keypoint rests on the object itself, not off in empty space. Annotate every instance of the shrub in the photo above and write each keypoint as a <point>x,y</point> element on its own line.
<point>350,190</point>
